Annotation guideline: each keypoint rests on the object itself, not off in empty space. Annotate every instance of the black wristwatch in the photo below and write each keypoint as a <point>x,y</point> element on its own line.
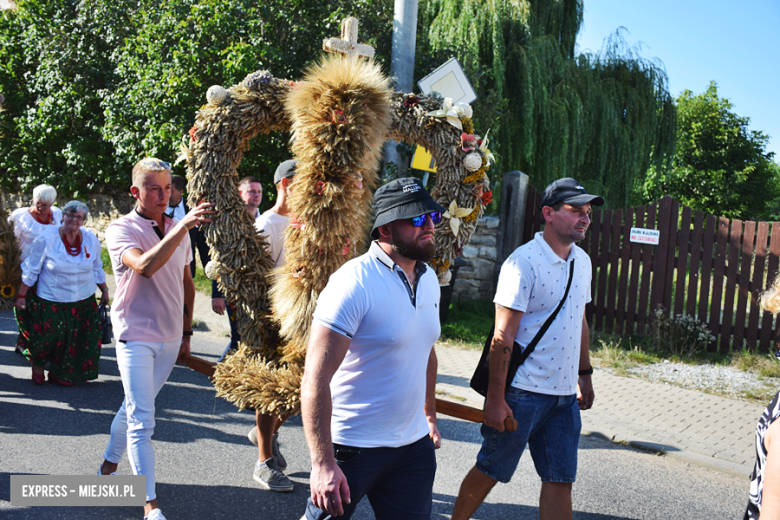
<point>187,333</point>
<point>586,372</point>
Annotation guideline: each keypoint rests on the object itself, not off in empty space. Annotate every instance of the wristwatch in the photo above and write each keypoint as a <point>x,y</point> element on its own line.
<point>586,372</point>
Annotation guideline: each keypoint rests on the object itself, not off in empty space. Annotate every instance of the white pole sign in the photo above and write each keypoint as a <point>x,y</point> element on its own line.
<point>645,236</point>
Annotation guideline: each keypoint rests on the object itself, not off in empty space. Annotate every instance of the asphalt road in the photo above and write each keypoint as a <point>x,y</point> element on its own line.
<point>204,461</point>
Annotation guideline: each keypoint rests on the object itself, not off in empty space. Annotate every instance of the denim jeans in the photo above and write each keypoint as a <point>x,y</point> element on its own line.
<point>397,481</point>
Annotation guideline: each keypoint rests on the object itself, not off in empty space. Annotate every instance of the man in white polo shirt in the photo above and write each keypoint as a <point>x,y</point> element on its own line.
<point>271,464</point>
<point>367,396</point>
<point>554,384</point>
<point>152,313</point>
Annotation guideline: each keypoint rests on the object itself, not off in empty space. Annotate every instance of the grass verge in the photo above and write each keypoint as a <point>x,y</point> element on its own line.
<point>468,323</point>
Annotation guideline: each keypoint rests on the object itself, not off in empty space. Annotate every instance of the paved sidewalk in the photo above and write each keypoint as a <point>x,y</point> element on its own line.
<point>696,427</point>
<point>700,428</point>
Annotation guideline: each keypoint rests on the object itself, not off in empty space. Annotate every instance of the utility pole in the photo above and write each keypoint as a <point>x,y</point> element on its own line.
<point>402,61</point>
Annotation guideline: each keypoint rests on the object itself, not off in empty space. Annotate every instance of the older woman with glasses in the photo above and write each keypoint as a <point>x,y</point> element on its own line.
<point>60,322</point>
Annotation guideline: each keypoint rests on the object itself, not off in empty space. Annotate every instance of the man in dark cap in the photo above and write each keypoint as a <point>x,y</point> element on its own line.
<point>367,396</point>
<point>554,384</point>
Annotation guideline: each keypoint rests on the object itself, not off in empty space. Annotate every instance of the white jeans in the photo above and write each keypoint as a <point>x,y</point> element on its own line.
<point>144,367</point>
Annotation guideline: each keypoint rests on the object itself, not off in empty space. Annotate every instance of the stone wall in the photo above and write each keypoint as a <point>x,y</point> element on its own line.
<point>103,209</point>
<point>475,282</point>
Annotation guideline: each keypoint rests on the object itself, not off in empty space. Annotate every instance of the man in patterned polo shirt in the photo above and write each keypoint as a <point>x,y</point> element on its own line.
<point>554,384</point>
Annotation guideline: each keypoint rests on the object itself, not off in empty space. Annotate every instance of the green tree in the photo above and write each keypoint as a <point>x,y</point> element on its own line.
<point>53,59</point>
<point>602,118</point>
<point>92,85</point>
<point>720,166</point>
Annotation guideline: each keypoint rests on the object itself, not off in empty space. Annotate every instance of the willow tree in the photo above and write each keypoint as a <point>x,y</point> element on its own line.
<point>603,118</point>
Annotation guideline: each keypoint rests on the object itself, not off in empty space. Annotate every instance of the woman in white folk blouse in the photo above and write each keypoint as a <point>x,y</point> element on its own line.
<point>60,321</point>
<point>40,219</point>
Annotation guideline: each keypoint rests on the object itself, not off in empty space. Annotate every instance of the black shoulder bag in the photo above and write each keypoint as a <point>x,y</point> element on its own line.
<point>481,377</point>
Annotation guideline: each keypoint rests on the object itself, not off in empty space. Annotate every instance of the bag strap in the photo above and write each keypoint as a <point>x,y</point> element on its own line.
<point>531,346</point>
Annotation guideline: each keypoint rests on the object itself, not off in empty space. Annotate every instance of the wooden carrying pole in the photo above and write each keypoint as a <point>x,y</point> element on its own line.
<point>446,407</point>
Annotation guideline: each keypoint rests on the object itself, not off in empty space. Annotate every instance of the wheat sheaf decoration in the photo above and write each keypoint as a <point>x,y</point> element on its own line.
<point>10,262</point>
<point>339,115</point>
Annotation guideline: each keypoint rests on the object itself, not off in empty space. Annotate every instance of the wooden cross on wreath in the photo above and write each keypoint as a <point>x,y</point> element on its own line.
<point>347,45</point>
<point>339,115</point>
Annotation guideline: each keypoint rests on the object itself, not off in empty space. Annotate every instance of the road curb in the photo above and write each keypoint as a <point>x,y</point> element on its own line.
<point>706,461</point>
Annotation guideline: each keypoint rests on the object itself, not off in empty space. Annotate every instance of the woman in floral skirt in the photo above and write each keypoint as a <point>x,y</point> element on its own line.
<point>60,322</point>
<point>40,219</point>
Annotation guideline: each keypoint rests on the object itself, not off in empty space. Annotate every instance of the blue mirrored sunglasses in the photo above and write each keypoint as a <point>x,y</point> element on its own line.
<point>420,221</point>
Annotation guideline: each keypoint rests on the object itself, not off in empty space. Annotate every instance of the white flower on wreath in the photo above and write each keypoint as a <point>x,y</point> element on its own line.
<point>454,213</point>
<point>453,112</point>
<point>483,147</point>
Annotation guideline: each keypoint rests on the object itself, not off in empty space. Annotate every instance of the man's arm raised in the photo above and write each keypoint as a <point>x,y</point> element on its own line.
<point>325,353</point>
<point>146,263</point>
<point>507,323</point>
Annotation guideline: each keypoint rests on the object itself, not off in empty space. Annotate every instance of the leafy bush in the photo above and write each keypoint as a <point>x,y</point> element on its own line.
<point>679,335</point>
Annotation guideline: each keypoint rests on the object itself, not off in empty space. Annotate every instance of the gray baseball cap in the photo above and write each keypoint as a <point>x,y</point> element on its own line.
<point>285,170</point>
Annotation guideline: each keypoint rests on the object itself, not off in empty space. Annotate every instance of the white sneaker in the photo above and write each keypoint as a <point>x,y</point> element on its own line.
<point>156,514</point>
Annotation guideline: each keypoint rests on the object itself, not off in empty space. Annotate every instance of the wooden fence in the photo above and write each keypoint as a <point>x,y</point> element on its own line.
<point>704,266</point>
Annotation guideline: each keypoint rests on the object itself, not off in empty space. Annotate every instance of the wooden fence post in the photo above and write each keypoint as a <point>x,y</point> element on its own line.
<point>511,224</point>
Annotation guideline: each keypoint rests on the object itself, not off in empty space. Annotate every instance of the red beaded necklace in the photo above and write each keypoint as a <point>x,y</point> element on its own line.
<point>72,249</point>
<point>49,219</point>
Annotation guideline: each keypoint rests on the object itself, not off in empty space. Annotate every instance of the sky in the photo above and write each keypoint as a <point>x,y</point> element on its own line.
<point>736,44</point>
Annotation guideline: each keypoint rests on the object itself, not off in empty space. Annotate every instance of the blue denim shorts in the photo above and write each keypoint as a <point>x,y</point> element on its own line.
<point>549,424</point>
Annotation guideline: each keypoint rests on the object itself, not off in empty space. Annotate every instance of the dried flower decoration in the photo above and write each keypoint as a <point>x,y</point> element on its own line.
<point>211,270</point>
<point>468,125</point>
<point>477,175</point>
<point>452,112</point>
<point>192,133</point>
<point>440,265</point>
<point>7,291</point>
<point>478,190</point>
<point>471,217</point>
<point>216,94</point>
<point>410,100</point>
<point>483,147</point>
<point>338,118</point>
<point>473,162</point>
<point>454,213</point>
<point>297,224</point>
<point>487,197</point>
<point>468,142</point>
<point>320,187</point>
<point>255,79</point>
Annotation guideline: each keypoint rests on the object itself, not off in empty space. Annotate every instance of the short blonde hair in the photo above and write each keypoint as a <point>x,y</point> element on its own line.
<point>769,300</point>
<point>44,193</point>
<point>146,165</point>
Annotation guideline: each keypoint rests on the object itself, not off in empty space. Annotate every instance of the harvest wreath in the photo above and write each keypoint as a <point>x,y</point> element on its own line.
<point>339,116</point>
